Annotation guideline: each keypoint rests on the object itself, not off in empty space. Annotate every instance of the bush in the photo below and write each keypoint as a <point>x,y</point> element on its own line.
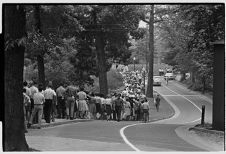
<point>115,81</point>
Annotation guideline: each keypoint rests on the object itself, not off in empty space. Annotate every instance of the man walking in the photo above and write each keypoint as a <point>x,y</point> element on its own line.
<point>50,97</point>
<point>60,91</point>
<point>39,99</point>
<point>157,102</point>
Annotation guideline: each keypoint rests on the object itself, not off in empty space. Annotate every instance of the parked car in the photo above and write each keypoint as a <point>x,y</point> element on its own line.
<point>157,81</point>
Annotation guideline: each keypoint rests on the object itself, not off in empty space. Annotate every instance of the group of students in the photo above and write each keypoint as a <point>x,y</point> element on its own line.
<point>48,104</point>
<point>69,102</point>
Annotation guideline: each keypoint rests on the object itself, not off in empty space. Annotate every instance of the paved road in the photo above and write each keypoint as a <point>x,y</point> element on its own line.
<point>164,135</point>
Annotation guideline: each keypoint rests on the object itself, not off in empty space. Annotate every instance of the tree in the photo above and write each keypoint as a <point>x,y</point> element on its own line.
<point>190,32</point>
<point>15,21</point>
<point>47,26</point>
<point>106,29</point>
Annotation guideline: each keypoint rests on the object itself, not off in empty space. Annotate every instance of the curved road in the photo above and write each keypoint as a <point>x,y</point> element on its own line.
<point>163,135</point>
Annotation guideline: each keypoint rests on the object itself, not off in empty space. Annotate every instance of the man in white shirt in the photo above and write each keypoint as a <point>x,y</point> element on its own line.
<point>50,97</point>
<point>33,90</point>
<point>38,107</point>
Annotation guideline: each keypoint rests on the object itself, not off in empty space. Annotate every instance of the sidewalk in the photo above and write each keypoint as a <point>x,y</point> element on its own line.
<point>58,122</point>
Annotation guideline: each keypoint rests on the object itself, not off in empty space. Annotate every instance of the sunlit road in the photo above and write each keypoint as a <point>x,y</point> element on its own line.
<point>129,136</point>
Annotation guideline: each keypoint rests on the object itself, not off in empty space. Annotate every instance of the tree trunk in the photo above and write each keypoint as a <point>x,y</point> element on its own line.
<point>151,54</point>
<point>41,70</point>
<point>40,57</point>
<point>14,138</point>
<point>101,62</point>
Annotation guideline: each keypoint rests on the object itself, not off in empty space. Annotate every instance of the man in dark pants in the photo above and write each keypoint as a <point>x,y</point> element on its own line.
<point>118,107</point>
<point>49,95</point>
<point>60,91</point>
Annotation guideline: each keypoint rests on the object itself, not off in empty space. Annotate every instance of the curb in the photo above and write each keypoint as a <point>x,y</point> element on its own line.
<point>35,126</point>
<point>203,130</point>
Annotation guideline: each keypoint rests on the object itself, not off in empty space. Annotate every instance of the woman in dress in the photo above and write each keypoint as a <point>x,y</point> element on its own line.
<point>127,109</point>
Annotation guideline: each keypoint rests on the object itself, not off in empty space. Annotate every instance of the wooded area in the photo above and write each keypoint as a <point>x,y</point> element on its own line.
<point>71,43</point>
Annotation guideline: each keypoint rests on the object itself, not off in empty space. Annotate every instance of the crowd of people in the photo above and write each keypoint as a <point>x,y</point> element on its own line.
<point>71,102</point>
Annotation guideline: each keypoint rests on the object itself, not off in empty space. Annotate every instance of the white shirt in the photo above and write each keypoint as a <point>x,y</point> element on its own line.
<point>28,91</point>
<point>38,98</point>
<point>49,93</point>
<point>145,105</point>
<point>108,101</point>
<point>33,90</point>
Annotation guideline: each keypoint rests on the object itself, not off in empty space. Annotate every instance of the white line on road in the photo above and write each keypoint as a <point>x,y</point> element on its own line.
<point>177,112</point>
<point>181,95</point>
<point>125,139</point>
<point>185,98</point>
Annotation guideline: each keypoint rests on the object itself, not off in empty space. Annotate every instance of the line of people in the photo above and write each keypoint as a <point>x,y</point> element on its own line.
<point>70,102</point>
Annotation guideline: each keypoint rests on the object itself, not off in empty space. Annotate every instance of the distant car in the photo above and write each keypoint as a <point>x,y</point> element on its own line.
<point>157,81</point>
<point>170,76</point>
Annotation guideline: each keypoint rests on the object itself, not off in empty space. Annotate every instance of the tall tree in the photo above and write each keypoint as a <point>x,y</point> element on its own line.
<point>149,92</point>
<point>106,28</point>
<point>15,21</point>
<point>40,55</point>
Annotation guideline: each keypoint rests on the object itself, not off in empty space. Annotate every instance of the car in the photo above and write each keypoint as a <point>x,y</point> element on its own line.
<point>157,81</point>
<point>170,76</point>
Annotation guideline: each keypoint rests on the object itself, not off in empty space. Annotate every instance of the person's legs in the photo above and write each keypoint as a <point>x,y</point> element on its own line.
<point>40,112</point>
<point>25,119</point>
<point>67,108</point>
<point>72,104</point>
<point>53,111</point>
<point>48,110</point>
<point>32,116</point>
<point>59,107</point>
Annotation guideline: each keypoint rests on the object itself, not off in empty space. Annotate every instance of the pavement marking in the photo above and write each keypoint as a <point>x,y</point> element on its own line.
<point>126,140</point>
<point>181,95</point>
<point>185,98</point>
<point>177,112</point>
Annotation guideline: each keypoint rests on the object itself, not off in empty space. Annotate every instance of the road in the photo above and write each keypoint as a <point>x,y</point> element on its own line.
<point>163,135</point>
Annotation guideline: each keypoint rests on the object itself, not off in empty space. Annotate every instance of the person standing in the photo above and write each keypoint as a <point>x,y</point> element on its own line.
<point>98,106</point>
<point>33,90</point>
<point>145,108</point>
<point>118,107</point>
<point>92,106</point>
<point>82,102</point>
<point>157,102</point>
<point>39,99</point>
<point>113,106</point>
<point>26,104</point>
<point>27,91</point>
<point>50,97</point>
<point>108,107</point>
<point>70,95</point>
<point>127,108</point>
<point>60,91</point>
